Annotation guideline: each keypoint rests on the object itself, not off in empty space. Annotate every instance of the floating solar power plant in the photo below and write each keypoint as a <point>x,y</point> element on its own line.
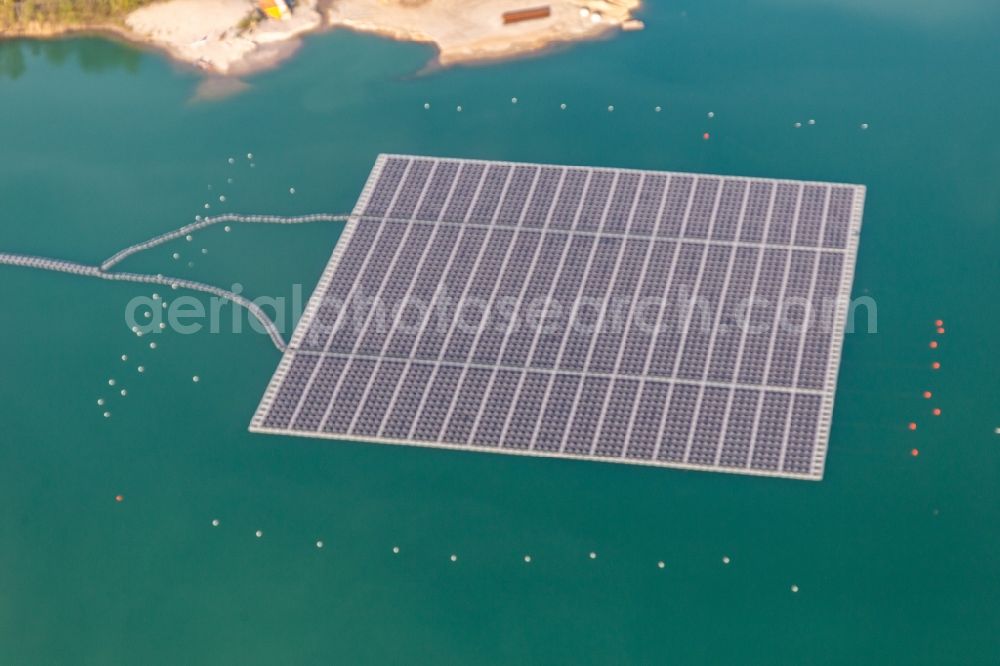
<point>391,350</point>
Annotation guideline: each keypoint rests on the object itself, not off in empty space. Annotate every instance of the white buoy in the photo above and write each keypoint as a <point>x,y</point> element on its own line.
<point>812,121</point>
<point>135,329</point>
<point>249,156</point>
<point>107,415</point>
<point>215,522</point>
<point>227,228</point>
<point>163,326</point>
<point>259,534</point>
<point>797,125</point>
<point>156,296</point>
<point>864,126</point>
<point>563,106</point>
<point>123,392</point>
<point>232,160</point>
<point>661,564</point>
<point>196,379</point>
<point>138,334</point>
<point>207,205</point>
<point>527,559</point>
<point>100,402</point>
<point>593,555</point>
<point>611,107</point>
<point>190,265</point>
<point>188,238</point>
<point>795,588</point>
<point>147,314</point>
<point>222,198</point>
<point>513,100</point>
<point>204,250</point>
<point>111,382</point>
<point>395,550</point>
<point>658,109</point>
<point>176,256</point>
<point>725,559</point>
<point>427,105</point>
<point>152,345</point>
<point>229,181</point>
<point>319,544</point>
<point>141,368</point>
<point>459,108</point>
<point>124,357</point>
<point>291,190</point>
<point>454,558</point>
<point>996,431</point>
<point>711,114</point>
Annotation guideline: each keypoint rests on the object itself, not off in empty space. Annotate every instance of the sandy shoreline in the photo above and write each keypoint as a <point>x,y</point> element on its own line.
<point>220,38</point>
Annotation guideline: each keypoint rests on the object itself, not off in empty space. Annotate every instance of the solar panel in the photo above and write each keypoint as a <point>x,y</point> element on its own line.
<point>655,318</point>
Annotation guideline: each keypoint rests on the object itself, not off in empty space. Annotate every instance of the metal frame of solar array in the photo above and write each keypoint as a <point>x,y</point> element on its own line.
<point>711,398</point>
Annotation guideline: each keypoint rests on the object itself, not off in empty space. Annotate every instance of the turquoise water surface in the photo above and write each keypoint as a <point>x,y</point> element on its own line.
<point>895,555</point>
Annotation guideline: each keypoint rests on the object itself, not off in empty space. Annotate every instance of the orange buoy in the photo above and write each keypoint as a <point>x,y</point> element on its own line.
<point>914,452</point>
<point>912,426</point>
<point>940,330</point>
<point>927,394</point>
<point>706,136</point>
<point>935,365</point>
<point>933,344</point>
<point>937,411</point>
<point>939,323</point>
<point>119,498</point>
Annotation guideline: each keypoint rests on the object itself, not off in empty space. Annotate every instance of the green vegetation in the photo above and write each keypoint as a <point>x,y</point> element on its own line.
<point>63,12</point>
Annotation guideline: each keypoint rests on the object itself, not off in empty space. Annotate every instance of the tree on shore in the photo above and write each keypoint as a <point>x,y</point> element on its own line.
<point>13,12</point>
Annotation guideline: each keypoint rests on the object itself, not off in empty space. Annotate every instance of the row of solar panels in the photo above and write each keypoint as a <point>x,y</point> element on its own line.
<point>636,203</point>
<point>548,412</point>
<point>720,337</point>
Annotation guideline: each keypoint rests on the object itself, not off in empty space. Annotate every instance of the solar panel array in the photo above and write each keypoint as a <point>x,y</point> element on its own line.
<point>700,389</point>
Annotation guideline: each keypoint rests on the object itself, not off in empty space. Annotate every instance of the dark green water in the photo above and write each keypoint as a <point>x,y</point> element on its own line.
<point>896,557</point>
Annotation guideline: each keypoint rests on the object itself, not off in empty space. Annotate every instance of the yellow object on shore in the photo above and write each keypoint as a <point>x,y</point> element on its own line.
<point>276,9</point>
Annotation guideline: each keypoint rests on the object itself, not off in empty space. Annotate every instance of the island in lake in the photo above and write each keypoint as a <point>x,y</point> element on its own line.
<point>234,37</point>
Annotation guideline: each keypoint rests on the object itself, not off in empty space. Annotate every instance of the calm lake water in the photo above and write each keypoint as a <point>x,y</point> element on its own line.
<point>896,556</point>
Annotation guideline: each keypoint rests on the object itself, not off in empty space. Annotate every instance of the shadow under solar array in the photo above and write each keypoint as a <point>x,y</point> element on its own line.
<point>686,320</point>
